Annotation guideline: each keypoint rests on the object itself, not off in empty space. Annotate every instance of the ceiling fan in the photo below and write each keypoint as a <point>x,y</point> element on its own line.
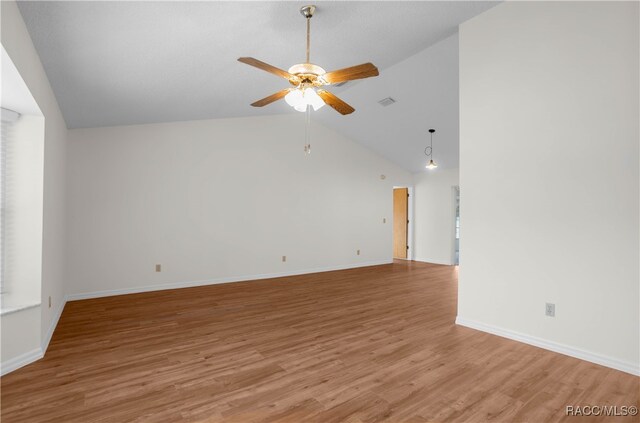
<point>308,79</point>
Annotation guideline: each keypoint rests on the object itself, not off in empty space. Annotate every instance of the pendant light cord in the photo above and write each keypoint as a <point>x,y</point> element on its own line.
<point>429,148</point>
<point>431,145</point>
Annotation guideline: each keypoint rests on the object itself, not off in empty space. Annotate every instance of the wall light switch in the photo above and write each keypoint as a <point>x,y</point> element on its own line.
<point>384,220</point>
<point>284,258</point>
<point>358,252</point>
<point>158,268</point>
<point>49,301</point>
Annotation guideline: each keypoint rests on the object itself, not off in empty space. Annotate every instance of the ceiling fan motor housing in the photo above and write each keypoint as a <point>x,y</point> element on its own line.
<point>308,74</point>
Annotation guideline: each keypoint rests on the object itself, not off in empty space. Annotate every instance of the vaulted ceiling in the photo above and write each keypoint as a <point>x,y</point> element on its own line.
<point>119,63</point>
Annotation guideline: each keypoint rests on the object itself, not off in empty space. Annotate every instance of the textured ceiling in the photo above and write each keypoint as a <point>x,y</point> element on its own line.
<point>119,63</point>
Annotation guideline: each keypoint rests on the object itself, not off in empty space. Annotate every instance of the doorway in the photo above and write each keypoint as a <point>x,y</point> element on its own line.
<point>456,235</point>
<point>400,223</point>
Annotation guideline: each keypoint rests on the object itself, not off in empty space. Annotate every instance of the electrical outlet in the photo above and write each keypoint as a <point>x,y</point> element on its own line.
<point>284,258</point>
<point>358,252</point>
<point>158,268</point>
<point>49,301</point>
<point>550,310</point>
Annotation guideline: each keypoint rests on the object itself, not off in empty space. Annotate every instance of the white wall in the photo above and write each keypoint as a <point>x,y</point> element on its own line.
<point>221,199</point>
<point>549,176</point>
<point>17,43</point>
<point>434,221</point>
<point>21,342</point>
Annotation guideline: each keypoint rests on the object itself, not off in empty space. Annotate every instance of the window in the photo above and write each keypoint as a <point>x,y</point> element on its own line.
<point>8,117</point>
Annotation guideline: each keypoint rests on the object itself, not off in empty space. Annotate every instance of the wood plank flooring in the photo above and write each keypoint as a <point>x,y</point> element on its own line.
<point>357,346</point>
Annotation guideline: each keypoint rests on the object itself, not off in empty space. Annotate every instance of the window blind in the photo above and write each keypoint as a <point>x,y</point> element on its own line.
<point>8,118</point>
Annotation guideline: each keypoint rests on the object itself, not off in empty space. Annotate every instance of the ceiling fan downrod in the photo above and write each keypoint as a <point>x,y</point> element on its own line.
<point>307,12</point>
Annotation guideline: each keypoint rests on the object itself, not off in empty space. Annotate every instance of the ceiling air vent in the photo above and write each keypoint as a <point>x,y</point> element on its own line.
<point>386,101</point>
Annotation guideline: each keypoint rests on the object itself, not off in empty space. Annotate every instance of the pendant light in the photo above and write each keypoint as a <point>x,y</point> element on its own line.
<point>429,152</point>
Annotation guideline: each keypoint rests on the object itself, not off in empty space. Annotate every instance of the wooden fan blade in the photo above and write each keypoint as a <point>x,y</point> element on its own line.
<point>273,97</point>
<point>333,101</point>
<point>364,70</point>
<point>266,67</point>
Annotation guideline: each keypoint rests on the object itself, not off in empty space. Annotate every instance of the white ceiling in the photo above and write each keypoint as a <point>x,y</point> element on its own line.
<point>118,63</point>
<point>425,87</point>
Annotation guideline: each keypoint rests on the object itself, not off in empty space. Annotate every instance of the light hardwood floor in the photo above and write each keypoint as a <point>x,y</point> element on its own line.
<point>361,345</point>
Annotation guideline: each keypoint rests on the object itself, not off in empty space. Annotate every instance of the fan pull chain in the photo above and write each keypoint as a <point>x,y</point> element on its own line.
<point>307,131</point>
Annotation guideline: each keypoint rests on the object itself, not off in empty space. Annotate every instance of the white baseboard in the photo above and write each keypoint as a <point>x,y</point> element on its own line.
<point>21,360</point>
<point>190,284</point>
<point>52,326</point>
<point>37,353</point>
<point>602,360</point>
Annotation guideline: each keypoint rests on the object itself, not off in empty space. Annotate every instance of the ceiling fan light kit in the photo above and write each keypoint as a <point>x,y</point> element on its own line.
<point>299,99</point>
<point>308,79</point>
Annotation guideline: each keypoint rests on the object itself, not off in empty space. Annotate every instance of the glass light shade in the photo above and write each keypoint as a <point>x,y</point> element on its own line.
<point>299,99</point>
<point>431,164</point>
<point>313,99</point>
<point>294,98</point>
